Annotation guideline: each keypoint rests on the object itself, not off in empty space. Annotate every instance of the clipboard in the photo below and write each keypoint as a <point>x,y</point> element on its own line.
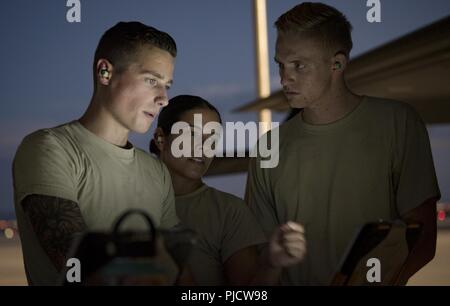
<point>388,242</point>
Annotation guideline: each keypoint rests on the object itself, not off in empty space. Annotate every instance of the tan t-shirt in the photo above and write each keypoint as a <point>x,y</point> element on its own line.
<point>224,224</point>
<point>375,163</point>
<point>72,163</point>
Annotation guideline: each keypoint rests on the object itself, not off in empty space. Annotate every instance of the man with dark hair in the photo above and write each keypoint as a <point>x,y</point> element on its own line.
<point>344,159</point>
<point>82,175</point>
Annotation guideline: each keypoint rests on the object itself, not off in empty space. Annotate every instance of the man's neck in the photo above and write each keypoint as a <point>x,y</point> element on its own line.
<point>100,122</point>
<point>183,186</point>
<point>331,107</point>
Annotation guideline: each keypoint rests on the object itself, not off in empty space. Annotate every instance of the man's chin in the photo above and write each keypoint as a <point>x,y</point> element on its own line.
<point>142,129</point>
<point>299,101</point>
<point>296,103</point>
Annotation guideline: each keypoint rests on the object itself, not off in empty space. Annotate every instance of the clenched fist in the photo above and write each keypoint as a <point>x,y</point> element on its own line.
<point>287,246</point>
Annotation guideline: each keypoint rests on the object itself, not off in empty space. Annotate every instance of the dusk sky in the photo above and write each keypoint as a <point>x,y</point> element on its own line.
<point>46,62</point>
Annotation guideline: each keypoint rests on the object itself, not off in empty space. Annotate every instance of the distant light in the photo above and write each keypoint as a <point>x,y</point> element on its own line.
<point>441,215</point>
<point>9,233</point>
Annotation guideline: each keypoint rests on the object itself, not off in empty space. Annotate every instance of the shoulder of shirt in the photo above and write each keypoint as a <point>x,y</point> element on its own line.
<point>282,131</point>
<point>385,105</point>
<point>49,136</point>
<point>228,198</point>
<point>151,159</point>
<point>288,126</point>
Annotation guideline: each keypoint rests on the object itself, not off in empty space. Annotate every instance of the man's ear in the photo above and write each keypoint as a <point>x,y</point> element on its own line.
<point>104,71</point>
<point>159,138</point>
<point>339,62</point>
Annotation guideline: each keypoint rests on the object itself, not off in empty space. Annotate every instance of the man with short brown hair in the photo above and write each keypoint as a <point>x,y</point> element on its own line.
<point>82,175</point>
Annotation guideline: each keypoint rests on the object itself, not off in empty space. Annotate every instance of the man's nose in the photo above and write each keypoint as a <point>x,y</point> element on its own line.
<point>286,78</point>
<point>161,99</point>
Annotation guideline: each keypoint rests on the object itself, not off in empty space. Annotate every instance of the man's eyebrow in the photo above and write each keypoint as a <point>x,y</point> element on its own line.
<point>299,58</point>
<point>296,59</point>
<point>156,74</point>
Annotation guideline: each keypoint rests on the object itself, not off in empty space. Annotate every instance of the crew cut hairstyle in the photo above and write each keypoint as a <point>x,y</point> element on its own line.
<point>320,21</point>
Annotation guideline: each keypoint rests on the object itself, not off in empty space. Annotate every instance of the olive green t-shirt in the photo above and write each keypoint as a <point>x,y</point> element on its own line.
<point>375,163</point>
<point>224,224</point>
<point>105,180</point>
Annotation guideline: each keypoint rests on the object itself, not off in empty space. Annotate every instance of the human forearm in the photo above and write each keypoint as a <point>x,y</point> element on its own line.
<point>424,249</point>
<point>56,222</point>
<point>267,274</point>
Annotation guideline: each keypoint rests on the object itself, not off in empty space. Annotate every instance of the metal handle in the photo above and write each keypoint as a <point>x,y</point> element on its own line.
<point>131,212</point>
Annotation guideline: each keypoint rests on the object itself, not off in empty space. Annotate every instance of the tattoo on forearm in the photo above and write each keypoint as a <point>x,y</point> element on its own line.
<point>56,222</point>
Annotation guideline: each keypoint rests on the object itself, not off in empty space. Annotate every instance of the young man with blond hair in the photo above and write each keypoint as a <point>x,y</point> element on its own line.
<point>344,159</point>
